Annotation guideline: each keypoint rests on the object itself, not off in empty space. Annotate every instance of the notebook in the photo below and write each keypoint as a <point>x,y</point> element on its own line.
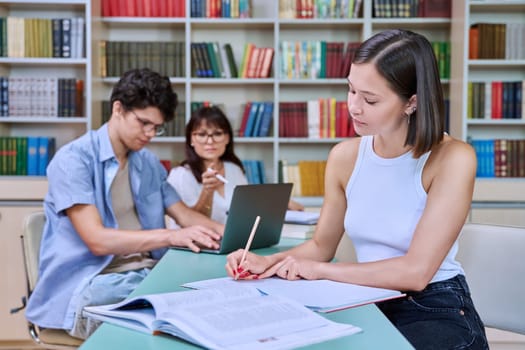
<point>269,201</point>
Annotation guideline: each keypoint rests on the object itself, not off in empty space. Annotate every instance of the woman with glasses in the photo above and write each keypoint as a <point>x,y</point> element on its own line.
<point>209,151</point>
<point>210,157</point>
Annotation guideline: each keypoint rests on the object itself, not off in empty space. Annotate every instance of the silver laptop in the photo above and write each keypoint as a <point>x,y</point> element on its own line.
<point>269,201</point>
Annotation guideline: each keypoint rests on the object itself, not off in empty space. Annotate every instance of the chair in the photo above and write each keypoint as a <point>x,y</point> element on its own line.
<point>31,235</point>
<point>492,257</point>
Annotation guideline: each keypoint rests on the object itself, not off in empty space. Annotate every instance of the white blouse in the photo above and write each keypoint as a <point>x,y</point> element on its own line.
<point>181,178</point>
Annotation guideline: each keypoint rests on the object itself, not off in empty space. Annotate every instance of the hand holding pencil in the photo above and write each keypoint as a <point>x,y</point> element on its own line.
<point>247,247</point>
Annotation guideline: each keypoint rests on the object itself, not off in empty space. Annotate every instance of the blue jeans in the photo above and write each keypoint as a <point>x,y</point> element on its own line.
<point>442,316</point>
<point>103,289</point>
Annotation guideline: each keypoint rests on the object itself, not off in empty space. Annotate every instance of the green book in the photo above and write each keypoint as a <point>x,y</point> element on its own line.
<point>210,54</point>
<point>231,60</point>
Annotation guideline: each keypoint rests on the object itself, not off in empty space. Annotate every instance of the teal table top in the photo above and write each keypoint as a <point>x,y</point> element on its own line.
<point>178,267</point>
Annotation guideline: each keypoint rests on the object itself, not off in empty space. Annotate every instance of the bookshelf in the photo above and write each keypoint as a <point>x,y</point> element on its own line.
<point>484,124</point>
<point>64,129</point>
<point>264,28</point>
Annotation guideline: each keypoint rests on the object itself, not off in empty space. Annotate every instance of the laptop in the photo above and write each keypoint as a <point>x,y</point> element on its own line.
<point>269,201</point>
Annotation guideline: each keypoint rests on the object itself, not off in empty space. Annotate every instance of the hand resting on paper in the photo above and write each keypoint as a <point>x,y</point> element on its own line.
<point>257,267</point>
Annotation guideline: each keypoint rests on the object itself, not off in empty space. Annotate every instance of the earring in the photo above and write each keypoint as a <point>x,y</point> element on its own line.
<point>413,110</point>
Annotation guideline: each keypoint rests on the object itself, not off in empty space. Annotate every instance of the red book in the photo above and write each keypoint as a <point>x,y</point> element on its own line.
<point>266,66</point>
<point>473,43</point>
<point>436,8</point>
<point>114,6</point>
<point>244,119</point>
<point>497,99</point>
<point>171,8</point>
<point>182,9</point>
<point>163,8</point>
<point>148,7</point>
<point>106,8</point>
<point>166,163</point>
<point>251,62</point>
<point>140,7</point>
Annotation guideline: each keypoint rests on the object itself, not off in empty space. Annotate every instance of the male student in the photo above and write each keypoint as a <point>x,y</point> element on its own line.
<point>105,210</point>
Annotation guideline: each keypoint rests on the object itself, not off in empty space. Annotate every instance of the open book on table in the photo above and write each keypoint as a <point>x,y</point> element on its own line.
<point>238,317</point>
<point>317,295</point>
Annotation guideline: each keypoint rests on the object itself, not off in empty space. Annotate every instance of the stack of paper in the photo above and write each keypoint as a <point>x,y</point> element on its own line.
<point>318,295</point>
<point>301,217</point>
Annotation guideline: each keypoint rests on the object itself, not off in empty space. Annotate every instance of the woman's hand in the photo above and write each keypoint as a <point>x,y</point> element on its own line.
<point>252,266</point>
<point>210,183</point>
<point>291,268</point>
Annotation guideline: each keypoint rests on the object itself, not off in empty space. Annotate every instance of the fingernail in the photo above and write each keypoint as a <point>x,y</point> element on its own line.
<point>240,269</point>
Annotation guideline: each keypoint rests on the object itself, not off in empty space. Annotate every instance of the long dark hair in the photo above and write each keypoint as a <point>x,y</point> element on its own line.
<point>212,116</point>
<point>407,61</point>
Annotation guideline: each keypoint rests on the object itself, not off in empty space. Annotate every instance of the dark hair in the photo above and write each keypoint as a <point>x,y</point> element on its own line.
<point>407,61</point>
<point>212,116</point>
<point>142,88</point>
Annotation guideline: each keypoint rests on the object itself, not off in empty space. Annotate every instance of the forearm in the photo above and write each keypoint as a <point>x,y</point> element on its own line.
<point>121,242</point>
<point>204,203</point>
<point>394,273</point>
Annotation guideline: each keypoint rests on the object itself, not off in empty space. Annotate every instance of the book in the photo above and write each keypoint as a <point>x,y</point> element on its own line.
<point>237,317</point>
<point>317,295</point>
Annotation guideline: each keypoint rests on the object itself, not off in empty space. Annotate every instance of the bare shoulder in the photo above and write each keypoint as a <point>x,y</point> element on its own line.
<point>345,150</point>
<point>452,156</point>
<point>342,158</point>
<point>452,150</point>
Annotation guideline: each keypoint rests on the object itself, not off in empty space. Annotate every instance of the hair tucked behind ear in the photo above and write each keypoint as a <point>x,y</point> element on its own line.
<point>407,61</point>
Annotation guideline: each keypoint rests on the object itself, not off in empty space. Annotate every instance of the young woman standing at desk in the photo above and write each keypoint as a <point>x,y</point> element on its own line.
<point>402,192</point>
<point>207,177</point>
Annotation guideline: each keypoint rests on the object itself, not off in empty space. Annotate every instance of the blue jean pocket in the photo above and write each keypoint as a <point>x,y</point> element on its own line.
<point>440,317</point>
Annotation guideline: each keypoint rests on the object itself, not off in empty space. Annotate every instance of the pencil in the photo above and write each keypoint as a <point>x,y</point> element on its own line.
<point>249,243</point>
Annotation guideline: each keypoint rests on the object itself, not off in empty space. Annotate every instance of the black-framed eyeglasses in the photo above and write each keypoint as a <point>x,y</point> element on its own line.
<point>148,126</point>
<point>203,136</point>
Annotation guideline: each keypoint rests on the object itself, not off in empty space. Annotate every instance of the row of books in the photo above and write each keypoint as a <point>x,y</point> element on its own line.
<point>321,59</point>
<point>322,118</point>
<point>42,37</point>
<point>307,176</point>
<point>324,9</point>
<point>497,41</point>
<point>254,171</point>
<point>256,119</point>
<point>25,155</point>
<point>221,8</point>
<point>165,57</point>
<point>412,8</point>
<point>316,59</point>
<point>496,100</point>
<point>41,97</point>
<point>144,8</point>
<point>500,157</point>
<point>208,60</point>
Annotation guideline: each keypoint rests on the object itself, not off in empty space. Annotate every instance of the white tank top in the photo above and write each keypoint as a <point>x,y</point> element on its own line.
<point>385,200</point>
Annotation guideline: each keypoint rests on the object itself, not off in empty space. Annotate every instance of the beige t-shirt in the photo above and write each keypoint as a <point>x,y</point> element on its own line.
<point>126,215</point>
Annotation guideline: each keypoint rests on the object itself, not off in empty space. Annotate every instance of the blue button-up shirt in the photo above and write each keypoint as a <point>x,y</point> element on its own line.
<point>81,172</point>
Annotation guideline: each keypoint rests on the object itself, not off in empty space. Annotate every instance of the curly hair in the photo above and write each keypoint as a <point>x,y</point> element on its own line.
<point>141,88</point>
